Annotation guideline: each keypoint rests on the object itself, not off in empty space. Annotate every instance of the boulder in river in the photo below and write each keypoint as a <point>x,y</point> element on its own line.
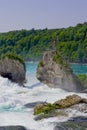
<point>54,71</point>
<point>13,68</point>
<point>61,107</point>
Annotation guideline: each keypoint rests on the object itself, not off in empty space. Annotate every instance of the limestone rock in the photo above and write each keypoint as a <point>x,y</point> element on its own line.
<point>13,70</point>
<point>56,74</point>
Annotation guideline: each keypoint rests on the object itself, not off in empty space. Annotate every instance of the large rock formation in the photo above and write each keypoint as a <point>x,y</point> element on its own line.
<point>55,72</point>
<point>12,69</point>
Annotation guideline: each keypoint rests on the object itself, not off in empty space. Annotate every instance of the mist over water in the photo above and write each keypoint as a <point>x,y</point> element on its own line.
<point>13,100</point>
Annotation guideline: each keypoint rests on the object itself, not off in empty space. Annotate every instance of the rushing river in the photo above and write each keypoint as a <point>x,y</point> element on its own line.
<point>13,99</point>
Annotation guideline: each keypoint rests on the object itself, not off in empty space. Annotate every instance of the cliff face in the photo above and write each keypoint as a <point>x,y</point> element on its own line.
<point>56,74</point>
<point>13,70</point>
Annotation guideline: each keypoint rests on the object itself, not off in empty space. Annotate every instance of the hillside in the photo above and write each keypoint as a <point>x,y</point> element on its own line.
<point>30,44</point>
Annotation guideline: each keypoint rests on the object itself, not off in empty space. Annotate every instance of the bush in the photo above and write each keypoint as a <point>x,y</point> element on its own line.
<point>58,59</point>
<point>45,108</point>
<point>83,79</point>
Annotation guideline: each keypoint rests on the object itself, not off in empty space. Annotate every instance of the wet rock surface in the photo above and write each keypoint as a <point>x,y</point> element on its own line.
<point>76,123</point>
<point>12,128</point>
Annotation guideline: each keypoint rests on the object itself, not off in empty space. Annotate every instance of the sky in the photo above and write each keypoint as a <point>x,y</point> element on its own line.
<point>41,14</point>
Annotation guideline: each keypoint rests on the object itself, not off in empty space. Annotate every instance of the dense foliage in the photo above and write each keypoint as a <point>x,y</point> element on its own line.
<point>30,44</point>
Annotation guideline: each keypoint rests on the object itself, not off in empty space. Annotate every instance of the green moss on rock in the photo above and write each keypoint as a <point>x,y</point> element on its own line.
<point>59,60</point>
<point>45,108</point>
<point>14,57</point>
<point>41,64</point>
<point>83,79</point>
<point>63,103</point>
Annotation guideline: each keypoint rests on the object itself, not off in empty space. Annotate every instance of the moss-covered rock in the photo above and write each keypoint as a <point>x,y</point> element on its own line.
<point>46,110</point>
<point>59,60</point>
<point>13,68</point>
<point>83,79</point>
<point>13,56</point>
<point>54,71</point>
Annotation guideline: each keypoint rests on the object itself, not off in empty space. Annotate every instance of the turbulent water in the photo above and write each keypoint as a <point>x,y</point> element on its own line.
<point>13,99</point>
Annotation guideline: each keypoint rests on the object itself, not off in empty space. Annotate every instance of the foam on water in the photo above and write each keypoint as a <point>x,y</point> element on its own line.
<point>14,97</point>
<point>12,101</point>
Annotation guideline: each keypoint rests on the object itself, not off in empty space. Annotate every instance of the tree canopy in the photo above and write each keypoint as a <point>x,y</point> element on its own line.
<point>30,44</point>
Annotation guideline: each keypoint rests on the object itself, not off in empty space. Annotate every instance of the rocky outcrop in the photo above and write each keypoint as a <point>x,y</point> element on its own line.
<point>69,101</point>
<point>55,72</point>
<point>61,107</point>
<point>12,69</point>
<point>12,128</point>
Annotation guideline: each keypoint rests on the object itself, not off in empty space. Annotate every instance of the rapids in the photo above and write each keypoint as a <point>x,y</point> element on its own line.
<point>13,99</point>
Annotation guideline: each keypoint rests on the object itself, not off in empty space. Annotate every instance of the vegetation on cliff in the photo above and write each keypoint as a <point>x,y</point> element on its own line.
<point>14,57</point>
<point>30,44</point>
<point>55,72</point>
<point>60,60</point>
<point>83,79</point>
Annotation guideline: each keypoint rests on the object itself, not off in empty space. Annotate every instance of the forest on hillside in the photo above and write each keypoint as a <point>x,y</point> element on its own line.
<point>30,44</point>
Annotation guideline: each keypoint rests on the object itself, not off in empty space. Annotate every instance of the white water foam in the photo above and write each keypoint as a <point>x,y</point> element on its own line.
<point>13,98</point>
